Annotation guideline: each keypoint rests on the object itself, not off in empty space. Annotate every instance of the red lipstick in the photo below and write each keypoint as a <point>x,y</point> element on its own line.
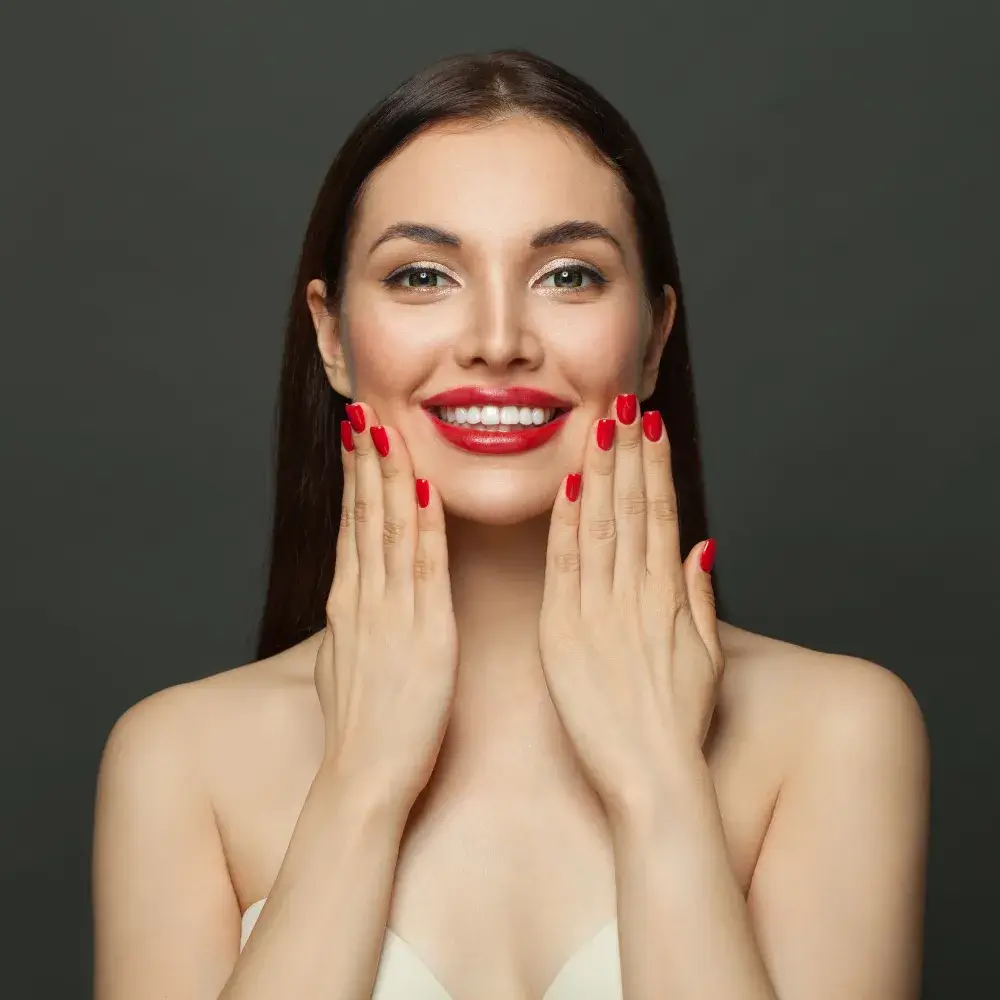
<point>481,439</point>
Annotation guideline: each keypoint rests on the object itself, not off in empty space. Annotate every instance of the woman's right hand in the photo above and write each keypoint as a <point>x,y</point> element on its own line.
<point>386,666</point>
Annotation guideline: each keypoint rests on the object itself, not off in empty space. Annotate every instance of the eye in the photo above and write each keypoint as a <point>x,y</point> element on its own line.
<point>573,277</point>
<point>416,278</point>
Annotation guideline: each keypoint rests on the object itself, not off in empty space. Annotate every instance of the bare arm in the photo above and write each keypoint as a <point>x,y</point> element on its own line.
<point>167,921</point>
<point>836,904</point>
<point>320,932</point>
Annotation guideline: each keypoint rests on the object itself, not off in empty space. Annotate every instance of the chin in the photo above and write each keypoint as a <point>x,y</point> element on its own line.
<point>500,499</point>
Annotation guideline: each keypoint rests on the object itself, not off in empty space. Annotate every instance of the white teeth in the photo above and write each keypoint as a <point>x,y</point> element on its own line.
<point>495,417</point>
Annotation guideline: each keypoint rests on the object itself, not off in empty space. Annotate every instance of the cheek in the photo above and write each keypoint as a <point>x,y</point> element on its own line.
<point>600,354</point>
<point>387,357</point>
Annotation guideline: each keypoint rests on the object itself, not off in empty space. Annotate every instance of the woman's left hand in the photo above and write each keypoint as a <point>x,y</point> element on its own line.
<point>628,635</point>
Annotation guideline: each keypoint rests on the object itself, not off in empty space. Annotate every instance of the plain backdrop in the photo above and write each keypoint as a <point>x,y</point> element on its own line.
<point>831,171</point>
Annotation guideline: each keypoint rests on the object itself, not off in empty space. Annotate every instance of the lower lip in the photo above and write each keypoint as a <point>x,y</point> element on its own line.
<point>497,442</point>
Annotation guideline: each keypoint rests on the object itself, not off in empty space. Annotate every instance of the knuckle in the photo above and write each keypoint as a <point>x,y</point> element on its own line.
<point>390,470</point>
<point>633,501</point>
<point>663,509</point>
<point>362,511</point>
<point>567,562</point>
<point>602,529</point>
<point>673,604</point>
<point>393,532</point>
<point>424,567</point>
<point>628,442</point>
<point>346,516</point>
<point>337,602</point>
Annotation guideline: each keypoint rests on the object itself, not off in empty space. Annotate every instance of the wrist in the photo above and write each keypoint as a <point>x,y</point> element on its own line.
<point>676,799</point>
<point>363,793</point>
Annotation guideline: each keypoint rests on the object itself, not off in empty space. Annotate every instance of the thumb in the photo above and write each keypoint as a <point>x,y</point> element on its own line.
<point>701,597</point>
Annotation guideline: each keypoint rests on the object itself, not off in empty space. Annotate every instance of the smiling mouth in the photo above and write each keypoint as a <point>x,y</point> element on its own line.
<point>496,419</point>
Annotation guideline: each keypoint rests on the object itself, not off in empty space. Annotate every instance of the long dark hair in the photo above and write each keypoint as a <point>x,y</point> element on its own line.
<point>309,477</point>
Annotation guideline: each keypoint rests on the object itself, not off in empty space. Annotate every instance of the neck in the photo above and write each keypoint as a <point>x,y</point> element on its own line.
<point>502,705</point>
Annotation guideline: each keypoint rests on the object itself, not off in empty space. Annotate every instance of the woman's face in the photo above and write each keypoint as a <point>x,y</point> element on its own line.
<point>483,307</point>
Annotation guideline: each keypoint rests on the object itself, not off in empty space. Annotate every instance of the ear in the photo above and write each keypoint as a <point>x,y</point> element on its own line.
<point>328,339</point>
<point>657,342</point>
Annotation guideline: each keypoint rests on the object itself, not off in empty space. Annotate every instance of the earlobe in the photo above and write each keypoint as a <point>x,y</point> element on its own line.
<point>658,337</point>
<point>328,339</point>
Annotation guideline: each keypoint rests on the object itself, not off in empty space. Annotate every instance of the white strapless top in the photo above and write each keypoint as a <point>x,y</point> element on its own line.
<point>592,973</point>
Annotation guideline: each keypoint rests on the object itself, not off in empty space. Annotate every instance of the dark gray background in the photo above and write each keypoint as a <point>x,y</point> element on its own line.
<point>831,170</point>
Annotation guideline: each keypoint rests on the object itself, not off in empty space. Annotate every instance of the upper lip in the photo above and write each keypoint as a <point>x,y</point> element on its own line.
<point>511,395</point>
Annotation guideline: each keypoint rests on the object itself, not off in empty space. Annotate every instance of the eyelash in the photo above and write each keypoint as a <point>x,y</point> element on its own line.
<point>392,281</point>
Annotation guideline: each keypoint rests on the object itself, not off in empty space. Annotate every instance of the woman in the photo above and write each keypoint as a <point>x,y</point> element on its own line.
<point>501,746</point>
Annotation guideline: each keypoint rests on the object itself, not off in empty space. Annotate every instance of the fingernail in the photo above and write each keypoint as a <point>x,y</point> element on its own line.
<point>707,558</point>
<point>573,486</point>
<point>345,435</point>
<point>423,492</point>
<point>625,405</point>
<point>605,433</point>
<point>652,425</point>
<point>356,415</point>
<point>380,439</point>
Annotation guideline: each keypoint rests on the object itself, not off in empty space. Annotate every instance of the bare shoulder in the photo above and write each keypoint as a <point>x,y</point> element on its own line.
<point>196,725</point>
<point>808,698</point>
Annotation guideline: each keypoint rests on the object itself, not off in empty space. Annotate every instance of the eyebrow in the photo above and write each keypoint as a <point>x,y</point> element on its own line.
<point>552,236</point>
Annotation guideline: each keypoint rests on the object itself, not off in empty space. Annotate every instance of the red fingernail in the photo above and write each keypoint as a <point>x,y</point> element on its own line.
<point>605,433</point>
<point>423,492</point>
<point>356,416</point>
<point>625,405</point>
<point>573,486</point>
<point>345,435</point>
<point>652,424</point>
<point>380,439</point>
<point>707,559</point>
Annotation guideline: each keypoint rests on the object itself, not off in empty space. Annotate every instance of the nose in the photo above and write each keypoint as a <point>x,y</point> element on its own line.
<point>497,338</point>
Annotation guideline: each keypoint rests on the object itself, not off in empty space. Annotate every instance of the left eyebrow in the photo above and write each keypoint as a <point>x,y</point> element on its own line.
<point>571,232</point>
<point>552,236</point>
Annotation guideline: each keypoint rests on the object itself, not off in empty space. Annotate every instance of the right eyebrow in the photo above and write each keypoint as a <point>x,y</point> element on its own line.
<point>419,233</point>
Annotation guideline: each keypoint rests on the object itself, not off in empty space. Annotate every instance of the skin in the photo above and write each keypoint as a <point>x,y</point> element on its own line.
<point>808,832</point>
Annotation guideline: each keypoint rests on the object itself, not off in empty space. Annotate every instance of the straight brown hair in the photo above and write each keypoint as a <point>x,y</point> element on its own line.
<point>309,477</point>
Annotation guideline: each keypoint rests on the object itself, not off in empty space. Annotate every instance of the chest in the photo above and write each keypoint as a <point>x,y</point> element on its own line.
<point>507,881</point>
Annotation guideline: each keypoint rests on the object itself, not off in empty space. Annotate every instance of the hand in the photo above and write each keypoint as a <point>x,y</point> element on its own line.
<point>386,666</point>
<point>628,635</point>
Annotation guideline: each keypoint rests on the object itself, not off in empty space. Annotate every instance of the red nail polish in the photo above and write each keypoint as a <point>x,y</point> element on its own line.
<point>423,492</point>
<point>573,486</point>
<point>625,405</point>
<point>345,435</point>
<point>652,425</point>
<point>380,439</point>
<point>356,416</point>
<point>605,433</point>
<point>707,558</point>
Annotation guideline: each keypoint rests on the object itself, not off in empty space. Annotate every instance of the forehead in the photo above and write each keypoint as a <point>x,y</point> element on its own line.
<point>503,178</point>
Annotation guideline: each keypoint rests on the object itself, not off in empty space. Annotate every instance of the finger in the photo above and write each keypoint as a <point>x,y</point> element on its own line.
<point>399,519</point>
<point>431,583</point>
<point>345,571</point>
<point>562,554</point>
<point>597,515</point>
<point>367,505</point>
<point>701,599</point>
<point>663,543</point>
<point>629,497</point>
